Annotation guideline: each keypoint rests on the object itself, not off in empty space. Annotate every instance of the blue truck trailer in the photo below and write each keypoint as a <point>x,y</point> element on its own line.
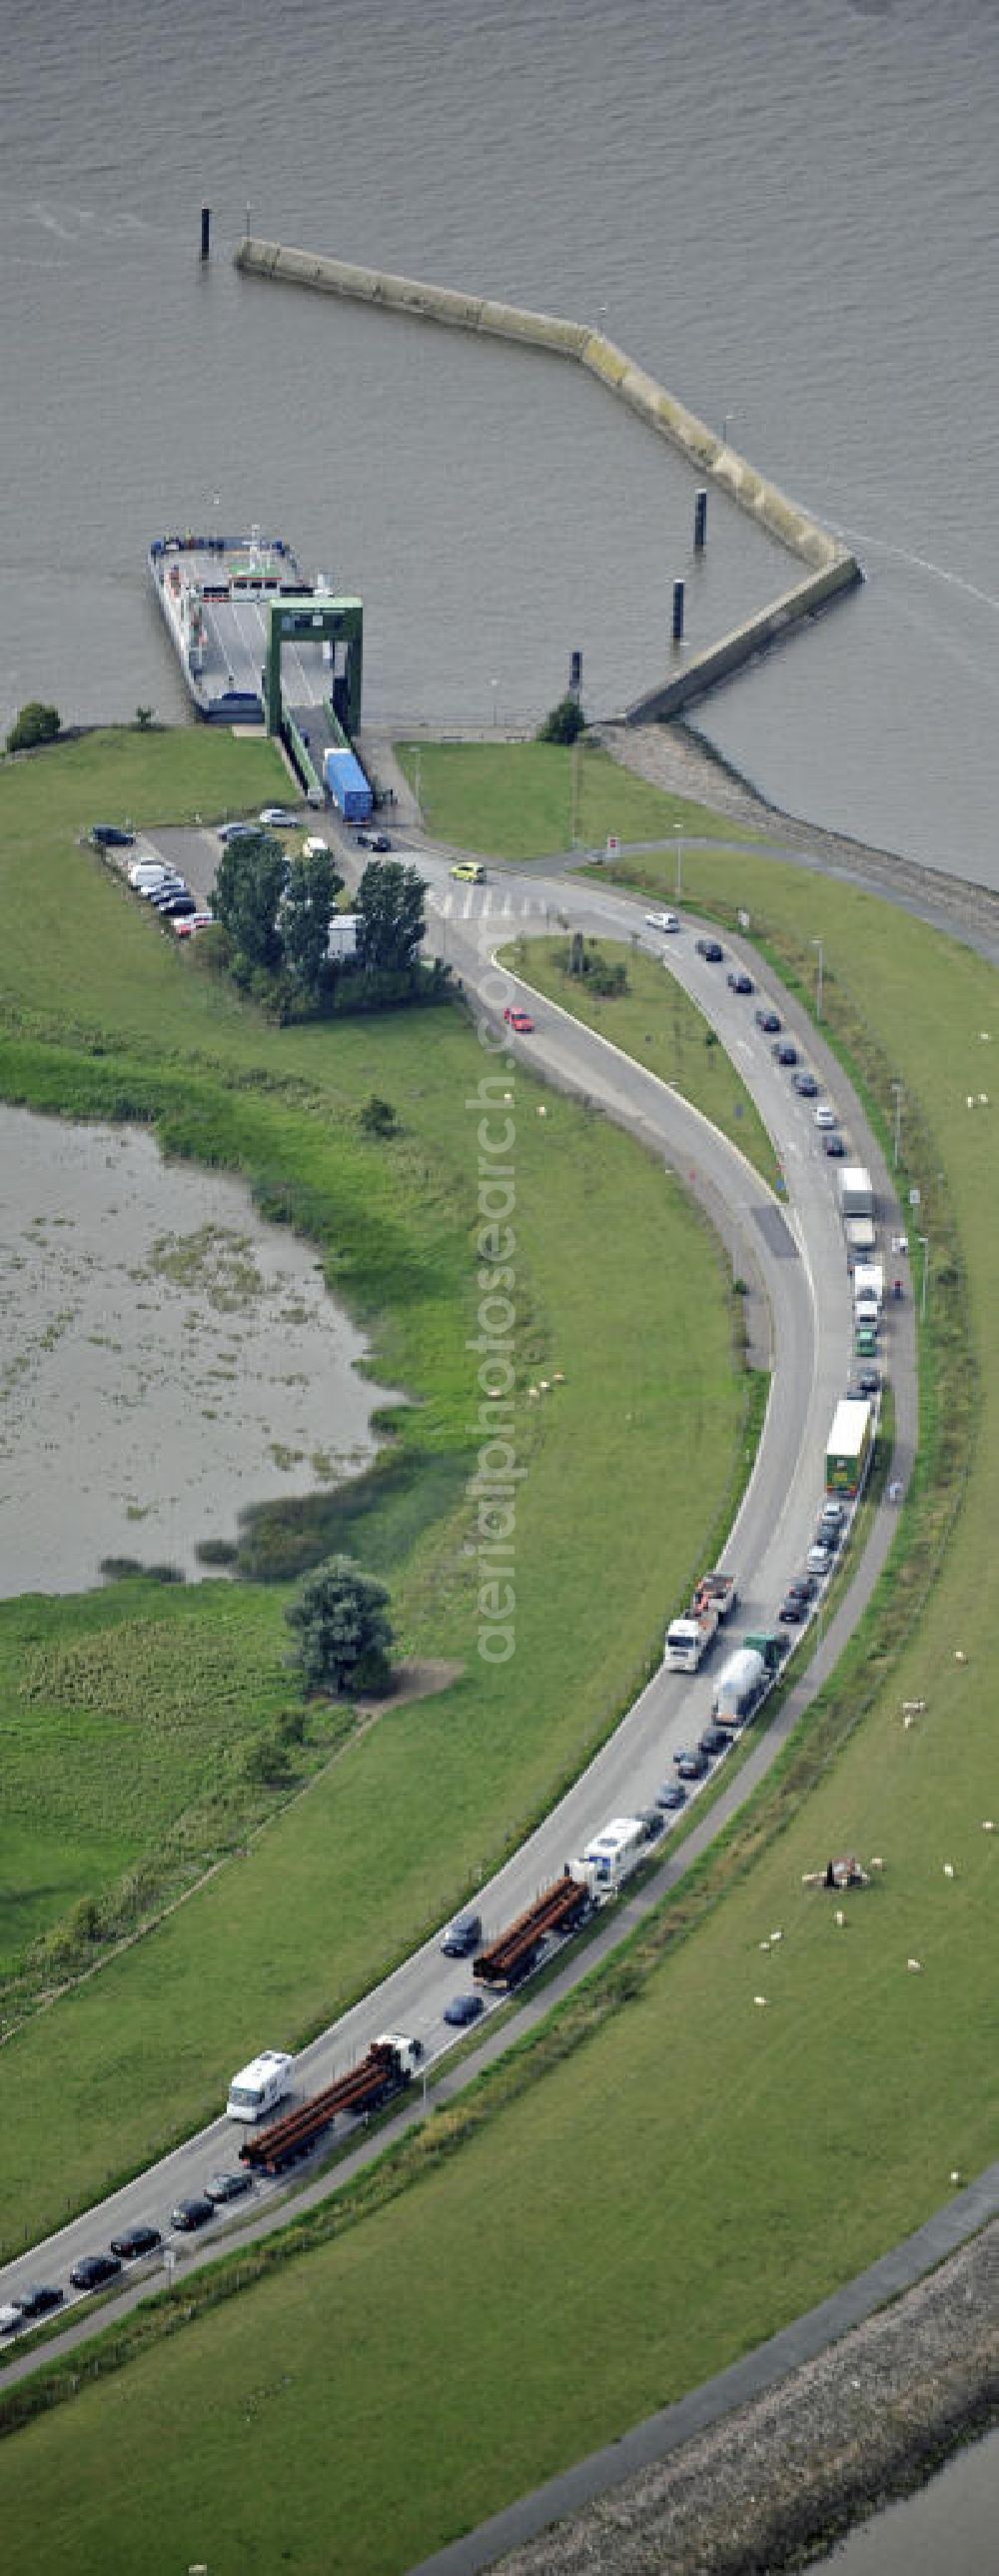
<point>348,786</point>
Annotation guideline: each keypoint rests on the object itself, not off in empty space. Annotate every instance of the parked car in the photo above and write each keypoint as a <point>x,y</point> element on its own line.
<point>715,1740</point>
<point>279,818</point>
<point>663,920</point>
<point>804,1083</point>
<point>93,2269</point>
<point>462,1937</point>
<point>221,2187</point>
<point>38,2300</point>
<point>315,847</point>
<point>146,872</point>
<point>109,836</point>
<point>462,2010</point>
<point>834,1144</point>
<point>192,2213</point>
<point>767,1020</point>
<point>136,2240</point>
<point>237,831</point>
<point>785,1053</point>
<point>712,950</point>
<point>825,1115</point>
<point>520,1021</point>
<point>186,923</point>
<point>671,1795</point>
<point>833,1512</point>
<point>177,906</point>
<point>691,1766</point>
<point>739,982</point>
<point>167,886</point>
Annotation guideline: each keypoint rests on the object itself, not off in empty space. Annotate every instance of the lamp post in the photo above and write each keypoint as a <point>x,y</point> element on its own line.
<point>494,685</point>
<point>817,943</point>
<point>416,776</point>
<point>899,1091</point>
<point>925,1241</point>
<point>679,861</point>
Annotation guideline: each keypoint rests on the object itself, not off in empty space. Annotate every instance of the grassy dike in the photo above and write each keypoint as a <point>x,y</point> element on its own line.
<point>524,800</point>
<point>103,1016</point>
<point>692,2171</point>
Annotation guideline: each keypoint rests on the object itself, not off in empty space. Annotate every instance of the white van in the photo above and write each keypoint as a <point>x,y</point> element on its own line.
<point>259,2085</point>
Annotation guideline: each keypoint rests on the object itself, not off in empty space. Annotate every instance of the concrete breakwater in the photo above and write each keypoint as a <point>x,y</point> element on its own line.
<point>831,566</point>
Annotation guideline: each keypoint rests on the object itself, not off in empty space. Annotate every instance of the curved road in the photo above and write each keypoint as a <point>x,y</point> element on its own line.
<point>796,1253</point>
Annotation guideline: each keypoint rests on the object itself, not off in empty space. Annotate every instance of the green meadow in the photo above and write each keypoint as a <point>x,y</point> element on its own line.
<point>127,1715</point>
<point>524,800</point>
<point>673,2170</point>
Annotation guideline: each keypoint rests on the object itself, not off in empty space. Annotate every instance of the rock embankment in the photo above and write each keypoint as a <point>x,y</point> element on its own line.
<point>775,2485</point>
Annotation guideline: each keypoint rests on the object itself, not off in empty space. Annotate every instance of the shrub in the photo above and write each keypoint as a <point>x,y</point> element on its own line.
<point>34,724</point>
<point>564,723</point>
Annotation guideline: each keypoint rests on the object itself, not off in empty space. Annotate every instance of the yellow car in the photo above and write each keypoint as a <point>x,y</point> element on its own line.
<point>471,871</point>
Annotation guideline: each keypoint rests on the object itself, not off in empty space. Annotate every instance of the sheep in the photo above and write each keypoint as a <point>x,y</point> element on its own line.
<point>776,1936</point>
<point>913,1707</point>
<point>948,1869</point>
<point>988,1826</point>
<point>916,1965</point>
<point>877,1862</point>
<point>840,1917</point>
<point>764,1945</point>
<point>759,1999</point>
<point>955,2175</point>
<point>959,1655</point>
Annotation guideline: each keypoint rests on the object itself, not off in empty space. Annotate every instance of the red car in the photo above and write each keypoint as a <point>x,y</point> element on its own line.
<point>521,1021</point>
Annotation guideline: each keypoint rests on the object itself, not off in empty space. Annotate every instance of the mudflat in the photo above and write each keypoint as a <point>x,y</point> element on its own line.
<point>165,1358</point>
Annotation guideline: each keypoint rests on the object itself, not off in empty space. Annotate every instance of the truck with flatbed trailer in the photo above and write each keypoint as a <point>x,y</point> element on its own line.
<point>559,1909</point>
<point>387,2069</point>
<point>688,1638</point>
<point>610,1856</point>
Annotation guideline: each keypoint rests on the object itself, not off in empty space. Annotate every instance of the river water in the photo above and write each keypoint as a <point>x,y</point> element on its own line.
<point>786,211</point>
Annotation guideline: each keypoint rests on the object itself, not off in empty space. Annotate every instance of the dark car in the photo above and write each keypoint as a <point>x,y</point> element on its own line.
<point>691,1766</point>
<point>834,1145</point>
<point>462,2009</point>
<point>37,2300</point>
<point>712,950</point>
<point>378,841</point>
<point>804,1588</point>
<point>109,836</point>
<point>715,1740</point>
<point>804,1083</point>
<point>792,1611</point>
<point>868,1381</point>
<point>165,891</point>
<point>462,1937</point>
<point>740,982</point>
<point>237,831</point>
<point>192,2213</point>
<point>92,2269</point>
<point>769,1021</point>
<point>828,1535</point>
<point>135,2240</point>
<point>672,1794</point>
<point>785,1053</point>
<point>652,1823</point>
<point>177,907</point>
<point>221,2187</point>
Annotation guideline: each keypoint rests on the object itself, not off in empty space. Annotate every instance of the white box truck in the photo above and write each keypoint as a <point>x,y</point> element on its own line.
<point>856,1191</point>
<point>259,2085</point>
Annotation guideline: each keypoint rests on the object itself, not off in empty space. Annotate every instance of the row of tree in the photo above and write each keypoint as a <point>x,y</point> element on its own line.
<point>277,914</point>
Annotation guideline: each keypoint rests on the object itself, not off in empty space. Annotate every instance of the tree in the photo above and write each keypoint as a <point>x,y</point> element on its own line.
<point>391,926</point>
<point>565,723</point>
<point>35,723</point>
<point>249,884</point>
<point>342,1627</point>
<point>305,916</point>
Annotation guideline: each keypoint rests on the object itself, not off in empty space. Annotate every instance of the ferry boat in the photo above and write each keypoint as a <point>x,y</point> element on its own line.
<point>213,592</point>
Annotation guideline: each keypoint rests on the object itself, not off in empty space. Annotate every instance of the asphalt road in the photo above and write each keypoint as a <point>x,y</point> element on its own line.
<point>795,1251</point>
